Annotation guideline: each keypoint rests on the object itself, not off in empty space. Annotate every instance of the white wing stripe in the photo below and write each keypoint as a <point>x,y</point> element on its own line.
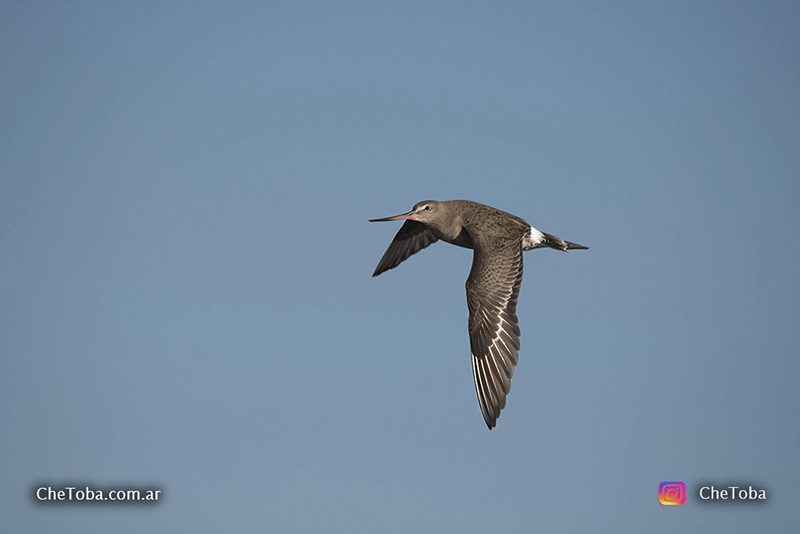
<point>479,388</point>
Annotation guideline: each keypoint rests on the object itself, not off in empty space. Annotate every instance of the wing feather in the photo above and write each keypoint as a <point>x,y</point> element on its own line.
<point>492,291</point>
<point>412,237</point>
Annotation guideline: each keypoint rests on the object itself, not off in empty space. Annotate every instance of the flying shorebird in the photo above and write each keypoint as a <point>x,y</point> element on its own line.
<point>498,239</point>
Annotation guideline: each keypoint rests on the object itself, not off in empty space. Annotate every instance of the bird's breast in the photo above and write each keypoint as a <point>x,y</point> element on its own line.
<point>462,239</point>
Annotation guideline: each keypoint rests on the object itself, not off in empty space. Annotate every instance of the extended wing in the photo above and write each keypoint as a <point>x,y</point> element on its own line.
<point>492,291</point>
<point>412,237</point>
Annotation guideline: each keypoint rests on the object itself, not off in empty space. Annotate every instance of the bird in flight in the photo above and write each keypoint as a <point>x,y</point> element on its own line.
<point>498,240</point>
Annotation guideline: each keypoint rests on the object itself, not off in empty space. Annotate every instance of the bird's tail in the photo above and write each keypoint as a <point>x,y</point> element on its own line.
<point>557,243</point>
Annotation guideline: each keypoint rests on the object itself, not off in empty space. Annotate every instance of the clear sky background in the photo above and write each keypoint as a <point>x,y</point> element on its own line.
<point>186,298</point>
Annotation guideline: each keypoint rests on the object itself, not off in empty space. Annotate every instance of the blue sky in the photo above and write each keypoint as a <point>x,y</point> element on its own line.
<point>186,259</point>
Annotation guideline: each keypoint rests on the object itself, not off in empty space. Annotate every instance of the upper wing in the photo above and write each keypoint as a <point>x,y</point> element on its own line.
<point>412,237</point>
<point>492,291</point>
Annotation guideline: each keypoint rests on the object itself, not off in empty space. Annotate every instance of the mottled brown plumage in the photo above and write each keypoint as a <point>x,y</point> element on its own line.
<point>498,239</point>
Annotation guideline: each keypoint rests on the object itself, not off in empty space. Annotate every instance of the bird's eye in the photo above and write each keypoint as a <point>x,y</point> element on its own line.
<point>427,208</point>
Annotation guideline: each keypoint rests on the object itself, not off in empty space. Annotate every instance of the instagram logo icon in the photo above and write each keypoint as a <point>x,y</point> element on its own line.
<point>672,493</point>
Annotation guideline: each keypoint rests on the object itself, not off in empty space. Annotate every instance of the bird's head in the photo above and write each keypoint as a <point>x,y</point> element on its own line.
<point>423,212</point>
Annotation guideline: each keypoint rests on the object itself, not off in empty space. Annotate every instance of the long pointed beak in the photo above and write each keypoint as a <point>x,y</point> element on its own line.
<point>404,217</point>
